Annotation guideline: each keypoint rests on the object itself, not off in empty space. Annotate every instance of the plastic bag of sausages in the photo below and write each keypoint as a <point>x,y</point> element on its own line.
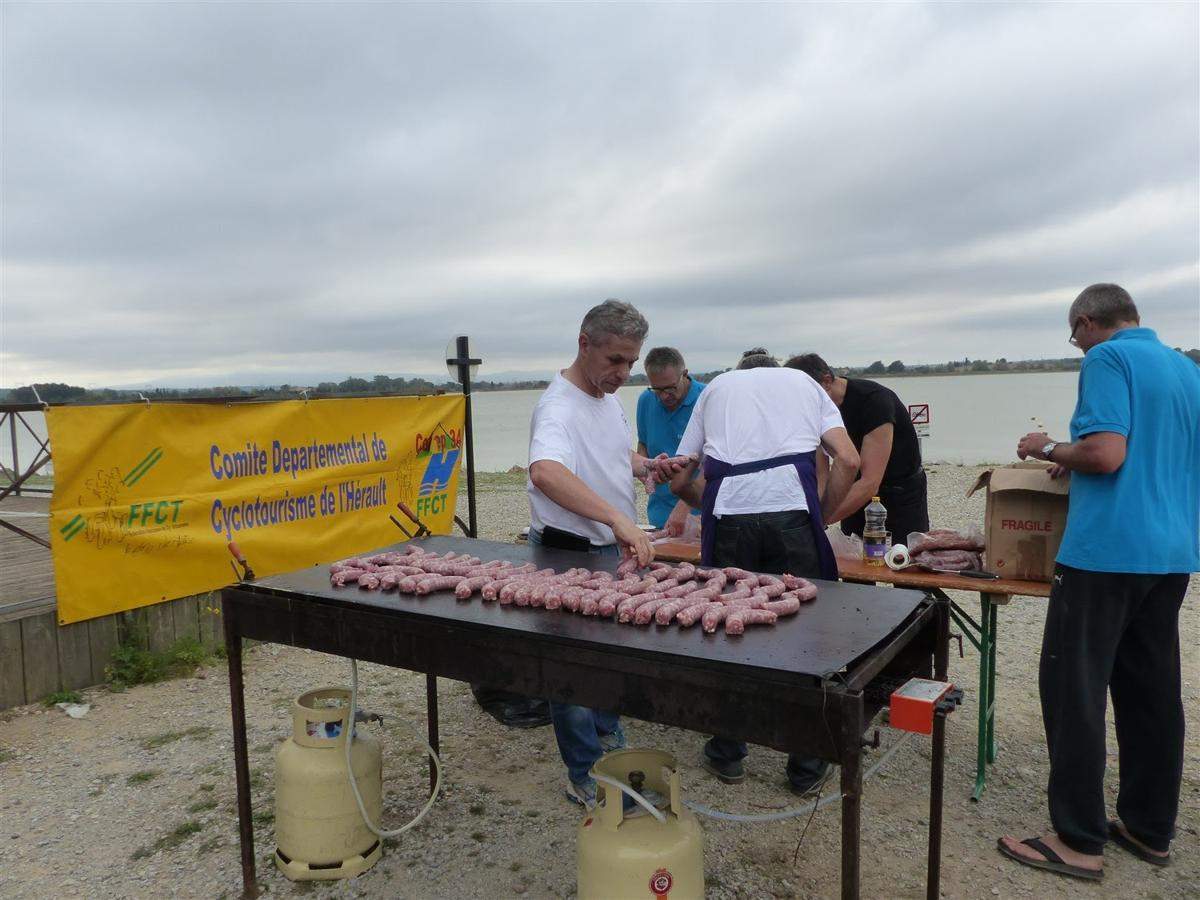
<point>945,539</point>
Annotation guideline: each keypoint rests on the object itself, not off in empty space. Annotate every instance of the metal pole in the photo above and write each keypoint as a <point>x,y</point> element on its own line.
<point>241,760</point>
<point>464,376</point>
<point>936,780</point>
<point>16,466</point>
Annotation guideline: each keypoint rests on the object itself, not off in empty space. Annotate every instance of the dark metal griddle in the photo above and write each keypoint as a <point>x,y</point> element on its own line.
<point>827,636</point>
<point>811,684</point>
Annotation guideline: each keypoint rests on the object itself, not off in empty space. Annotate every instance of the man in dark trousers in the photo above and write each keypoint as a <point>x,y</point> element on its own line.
<point>1132,538</point>
<point>756,432</point>
<point>882,432</point>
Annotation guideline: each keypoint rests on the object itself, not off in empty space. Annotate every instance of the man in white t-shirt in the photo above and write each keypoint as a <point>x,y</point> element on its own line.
<point>756,431</point>
<point>581,471</point>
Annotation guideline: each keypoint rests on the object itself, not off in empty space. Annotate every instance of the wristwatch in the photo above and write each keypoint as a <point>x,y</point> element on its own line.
<point>1048,449</point>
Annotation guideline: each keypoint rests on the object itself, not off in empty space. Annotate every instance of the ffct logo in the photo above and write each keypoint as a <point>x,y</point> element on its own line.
<point>435,482</point>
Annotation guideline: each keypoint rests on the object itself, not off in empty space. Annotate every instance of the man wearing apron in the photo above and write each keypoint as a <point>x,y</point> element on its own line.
<point>756,431</point>
<point>879,425</point>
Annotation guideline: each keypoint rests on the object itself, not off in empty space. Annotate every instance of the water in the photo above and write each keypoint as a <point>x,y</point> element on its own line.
<point>27,445</point>
<point>973,418</point>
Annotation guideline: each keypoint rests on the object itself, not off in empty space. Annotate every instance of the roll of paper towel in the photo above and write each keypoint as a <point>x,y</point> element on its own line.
<point>897,558</point>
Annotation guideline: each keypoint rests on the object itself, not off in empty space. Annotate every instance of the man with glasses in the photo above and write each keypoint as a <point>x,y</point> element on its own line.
<point>1112,624</point>
<point>663,412</point>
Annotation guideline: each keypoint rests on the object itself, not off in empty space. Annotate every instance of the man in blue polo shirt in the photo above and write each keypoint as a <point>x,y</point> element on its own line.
<point>1112,625</point>
<point>663,412</point>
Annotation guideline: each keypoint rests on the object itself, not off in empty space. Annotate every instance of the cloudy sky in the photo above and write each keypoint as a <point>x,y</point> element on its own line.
<point>199,193</point>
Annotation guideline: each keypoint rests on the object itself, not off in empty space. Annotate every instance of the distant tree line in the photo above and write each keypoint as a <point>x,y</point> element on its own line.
<point>54,392</point>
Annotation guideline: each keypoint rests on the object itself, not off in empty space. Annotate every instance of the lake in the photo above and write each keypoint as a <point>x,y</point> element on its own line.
<point>973,418</point>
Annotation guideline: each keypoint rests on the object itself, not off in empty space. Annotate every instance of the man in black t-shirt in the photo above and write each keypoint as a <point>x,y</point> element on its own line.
<point>890,454</point>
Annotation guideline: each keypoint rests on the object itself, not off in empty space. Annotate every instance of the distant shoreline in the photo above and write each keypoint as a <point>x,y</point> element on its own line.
<point>872,377</point>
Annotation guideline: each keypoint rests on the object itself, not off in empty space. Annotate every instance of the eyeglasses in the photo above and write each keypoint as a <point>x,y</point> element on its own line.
<point>1072,340</point>
<point>670,388</point>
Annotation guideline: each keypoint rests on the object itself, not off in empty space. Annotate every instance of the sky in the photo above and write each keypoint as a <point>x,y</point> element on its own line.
<point>225,193</point>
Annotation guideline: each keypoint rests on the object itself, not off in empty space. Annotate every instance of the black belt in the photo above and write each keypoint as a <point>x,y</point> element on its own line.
<point>557,539</point>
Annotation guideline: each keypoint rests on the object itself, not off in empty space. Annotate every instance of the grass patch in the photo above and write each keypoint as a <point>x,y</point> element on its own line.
<point>170,840</point>
<point>143,777</point>
<point>133,662</point>
<point>266,817</point>
<point>203,805</point>
<point>532,813</point>
<point>477,809</point>
<point>263,748</point>
<point>514,867</point>
<point>480,836</point>
<point>206,788</point>
<point>63,697</point>
<point>209,845</point>
<point>6,755</point>
<point>196,732</point>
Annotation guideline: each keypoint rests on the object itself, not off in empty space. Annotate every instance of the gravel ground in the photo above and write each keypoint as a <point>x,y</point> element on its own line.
<point>137,799</point>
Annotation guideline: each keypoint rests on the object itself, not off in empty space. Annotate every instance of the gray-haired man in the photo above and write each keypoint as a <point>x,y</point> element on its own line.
<point>1112,624</point>
<point>581,471</point>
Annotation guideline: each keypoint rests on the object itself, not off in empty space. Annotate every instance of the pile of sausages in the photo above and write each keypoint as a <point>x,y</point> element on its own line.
<point>662,593</point>
<point>945,549</point>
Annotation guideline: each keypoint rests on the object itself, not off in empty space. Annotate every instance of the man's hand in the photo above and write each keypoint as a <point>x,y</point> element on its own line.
<point>1057,471</point>
<point>1031,445</point>
<point>663,467</point>
<point>633,541</point>
<point>677,520</point>
<point>688,484</point>
<point>657,470</point>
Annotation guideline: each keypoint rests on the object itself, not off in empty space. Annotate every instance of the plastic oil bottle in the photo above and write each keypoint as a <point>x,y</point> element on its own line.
<point>875,533</point>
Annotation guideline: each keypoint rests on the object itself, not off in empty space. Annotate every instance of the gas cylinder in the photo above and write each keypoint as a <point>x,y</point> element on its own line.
<point>630,853</point>
<point>319,831</point>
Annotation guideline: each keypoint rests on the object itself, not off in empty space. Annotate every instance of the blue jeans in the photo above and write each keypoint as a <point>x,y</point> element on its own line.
<point>577,730</point>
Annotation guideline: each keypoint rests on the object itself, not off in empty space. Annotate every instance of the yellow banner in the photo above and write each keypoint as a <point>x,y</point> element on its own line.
<point>148,496</point>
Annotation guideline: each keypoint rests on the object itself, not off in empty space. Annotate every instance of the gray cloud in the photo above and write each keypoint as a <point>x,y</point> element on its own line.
<point>193,190</point>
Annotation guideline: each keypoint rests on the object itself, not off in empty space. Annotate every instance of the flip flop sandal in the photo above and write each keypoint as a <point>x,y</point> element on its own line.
<point>1125,843</point>
<point>1052,861</point>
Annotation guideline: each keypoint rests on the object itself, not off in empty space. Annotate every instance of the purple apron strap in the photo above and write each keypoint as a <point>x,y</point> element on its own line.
<point>715,471</point>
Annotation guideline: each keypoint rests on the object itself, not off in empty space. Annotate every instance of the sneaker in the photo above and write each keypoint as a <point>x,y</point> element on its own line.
<point>614,740</point>
<point>727,771</point>
<point>810,785</point>
<point>583,793</point>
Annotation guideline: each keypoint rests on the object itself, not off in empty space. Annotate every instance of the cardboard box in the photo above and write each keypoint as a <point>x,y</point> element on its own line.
<point>1025,519</point>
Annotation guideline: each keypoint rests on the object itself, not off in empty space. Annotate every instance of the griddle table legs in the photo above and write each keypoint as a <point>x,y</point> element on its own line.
<point>983,635</point>
<point>851,815</point>
<point>937,773</point>
<point>431,720</point>
<point>241,760</point>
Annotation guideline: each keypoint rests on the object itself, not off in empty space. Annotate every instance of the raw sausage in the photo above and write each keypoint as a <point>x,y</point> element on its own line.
<point>736,621</point>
